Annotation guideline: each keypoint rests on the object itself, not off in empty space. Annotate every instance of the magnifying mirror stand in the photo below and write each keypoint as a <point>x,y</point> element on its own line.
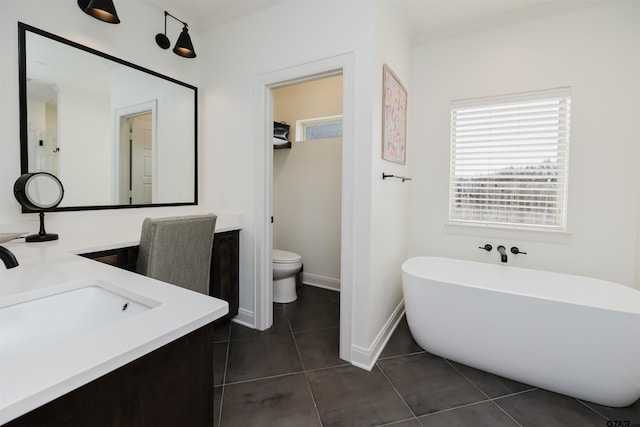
<point>42,235</point>
<point>38,192</point>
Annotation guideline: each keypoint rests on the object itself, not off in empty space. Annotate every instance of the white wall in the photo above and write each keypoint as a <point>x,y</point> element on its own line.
<point>288,35</point>
<point>593,49</point>
<point>637,282</point>
<point>390,197</point>
<point>85,164</point>
<point>37,127</point>
<point>307,182</point>
<point>131,40</point>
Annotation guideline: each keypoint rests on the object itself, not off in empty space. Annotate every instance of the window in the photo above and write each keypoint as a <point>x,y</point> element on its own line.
<point>509,159</point>
<point>319,128</point>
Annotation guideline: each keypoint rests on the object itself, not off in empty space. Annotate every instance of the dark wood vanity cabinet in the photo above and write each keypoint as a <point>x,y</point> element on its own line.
<point>225,267</point>
<point>170,386</point>
<point>225,270</point>
<point>124,258</point>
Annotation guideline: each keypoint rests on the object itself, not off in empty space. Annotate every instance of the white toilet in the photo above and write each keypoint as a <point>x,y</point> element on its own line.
<point>285,267</point>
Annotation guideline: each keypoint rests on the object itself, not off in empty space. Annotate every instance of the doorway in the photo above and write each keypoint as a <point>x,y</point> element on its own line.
<point>135,154</point>
<point>307,178</point>
<point>266,83</point>
<point>140,170</point>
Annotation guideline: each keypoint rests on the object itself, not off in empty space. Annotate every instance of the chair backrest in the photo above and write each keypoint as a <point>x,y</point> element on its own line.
<point>177,250</point>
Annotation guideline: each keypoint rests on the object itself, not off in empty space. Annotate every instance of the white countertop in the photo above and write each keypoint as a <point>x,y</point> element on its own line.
<point>36,378</point>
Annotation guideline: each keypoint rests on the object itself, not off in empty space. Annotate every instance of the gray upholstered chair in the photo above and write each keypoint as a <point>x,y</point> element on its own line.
<point>177,250</point>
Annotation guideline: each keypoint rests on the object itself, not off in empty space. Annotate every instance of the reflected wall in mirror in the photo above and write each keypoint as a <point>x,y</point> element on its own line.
<point>117,134</point>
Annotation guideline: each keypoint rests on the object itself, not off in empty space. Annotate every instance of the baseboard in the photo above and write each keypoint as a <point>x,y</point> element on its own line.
<point>245,318</point>
<point>321,281</point>
<point>366,358</point>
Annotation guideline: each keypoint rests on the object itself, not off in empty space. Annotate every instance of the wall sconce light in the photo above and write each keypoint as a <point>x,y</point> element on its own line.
<point>183,46</point>
<point>103,10</point>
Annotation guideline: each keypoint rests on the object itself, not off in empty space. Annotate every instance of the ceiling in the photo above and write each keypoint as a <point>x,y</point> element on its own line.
<point>204,15</point>
<point>425,16</point>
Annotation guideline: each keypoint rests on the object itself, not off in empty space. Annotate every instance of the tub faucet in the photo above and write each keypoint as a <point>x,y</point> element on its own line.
<point>8,258</point>
<point>503,253</point>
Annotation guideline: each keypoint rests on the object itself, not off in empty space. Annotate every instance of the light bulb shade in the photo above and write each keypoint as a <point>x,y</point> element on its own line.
<point>104,10</point>
<point>183,46</point>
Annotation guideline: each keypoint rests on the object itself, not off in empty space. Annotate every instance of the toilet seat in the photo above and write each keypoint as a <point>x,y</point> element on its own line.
<point>285,257</point>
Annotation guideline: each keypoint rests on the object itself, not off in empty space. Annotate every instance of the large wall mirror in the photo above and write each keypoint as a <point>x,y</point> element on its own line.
<point>116,134</point>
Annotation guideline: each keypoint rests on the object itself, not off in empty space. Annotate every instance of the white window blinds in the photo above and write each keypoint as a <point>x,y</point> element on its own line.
<point>509,159</point>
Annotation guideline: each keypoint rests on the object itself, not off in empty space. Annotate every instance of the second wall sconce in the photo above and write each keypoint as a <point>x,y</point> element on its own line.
<point>183,46</point>
<point>103,10</point>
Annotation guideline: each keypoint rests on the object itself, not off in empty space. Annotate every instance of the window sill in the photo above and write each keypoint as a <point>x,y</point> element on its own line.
<point>507,232</point>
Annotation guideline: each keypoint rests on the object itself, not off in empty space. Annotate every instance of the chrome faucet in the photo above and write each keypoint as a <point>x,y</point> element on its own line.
<point>503,253</point>
<point>8,258</point>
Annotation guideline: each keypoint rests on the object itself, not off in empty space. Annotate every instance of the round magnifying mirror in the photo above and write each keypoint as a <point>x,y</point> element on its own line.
<point>38,192</point>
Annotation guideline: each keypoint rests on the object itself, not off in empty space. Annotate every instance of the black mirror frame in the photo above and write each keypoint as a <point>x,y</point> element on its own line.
<point>22,85</point>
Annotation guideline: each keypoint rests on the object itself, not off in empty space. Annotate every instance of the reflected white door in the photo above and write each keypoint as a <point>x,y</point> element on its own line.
<point>141,160</point>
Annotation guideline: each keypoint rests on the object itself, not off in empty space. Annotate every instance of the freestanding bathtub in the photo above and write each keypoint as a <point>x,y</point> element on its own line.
<point>569,334</point>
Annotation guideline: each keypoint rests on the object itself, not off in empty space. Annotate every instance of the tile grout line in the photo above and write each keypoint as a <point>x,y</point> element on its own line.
<point>313,330</point>
<point>226,359</point>
<point>488,399</point>
<point>285,374</point>
<point>482,391</point>
<point>465,377</point>
<point>594,410</point>
<point>324,368</point>
<point>313,398</point>
<point>257,335</point>
<point>395,356</point>
<point>466,405</point>
<point>515,393</point>
<point>392,423</point>
<point>495,402</point>
<point>293,336</point>
<point>304,371</point>
<point>269,377</point>
<point>224,376</point>
<point>505,412</point>
<point>384,374</point>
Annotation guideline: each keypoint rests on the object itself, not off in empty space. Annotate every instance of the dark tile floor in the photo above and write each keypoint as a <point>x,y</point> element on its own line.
<point>291,375</point>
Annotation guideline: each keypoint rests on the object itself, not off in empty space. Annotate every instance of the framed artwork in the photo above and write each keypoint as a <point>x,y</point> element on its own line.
<point>394,118</point>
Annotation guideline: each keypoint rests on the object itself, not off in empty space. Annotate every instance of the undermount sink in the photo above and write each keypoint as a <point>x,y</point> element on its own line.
<point>68,311</point>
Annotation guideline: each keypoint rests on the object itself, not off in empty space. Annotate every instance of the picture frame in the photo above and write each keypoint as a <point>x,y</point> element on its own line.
<point>394,117</point>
